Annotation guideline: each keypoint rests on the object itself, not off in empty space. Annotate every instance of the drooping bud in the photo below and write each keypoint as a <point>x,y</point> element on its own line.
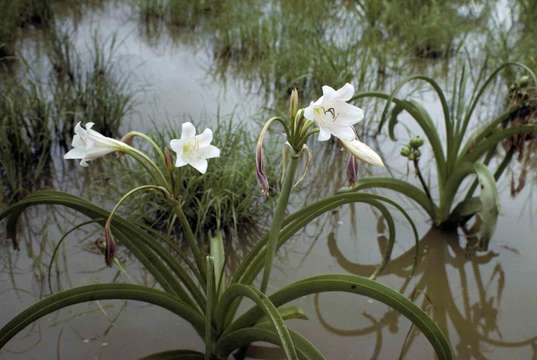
<point>260,174</point>
<point>110,246</point>
<point>362,152</point>
<point>128,138</point>
<point>168,159</point>
<point>293,103</point>
<point>352,170</point>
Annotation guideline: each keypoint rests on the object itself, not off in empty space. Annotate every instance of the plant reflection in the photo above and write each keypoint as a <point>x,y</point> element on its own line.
<point>471,321</point>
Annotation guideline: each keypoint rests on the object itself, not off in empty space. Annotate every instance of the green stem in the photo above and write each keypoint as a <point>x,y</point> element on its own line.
<point>209,308</point>
<point>422,180</point>
<point>132,192</point>
<point>277,220</point>
<point>150,141</point>
<point>149,165</point>
<point>189,235</point>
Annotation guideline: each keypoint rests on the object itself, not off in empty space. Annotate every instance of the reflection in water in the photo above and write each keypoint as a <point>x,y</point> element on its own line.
<point>471,324</point>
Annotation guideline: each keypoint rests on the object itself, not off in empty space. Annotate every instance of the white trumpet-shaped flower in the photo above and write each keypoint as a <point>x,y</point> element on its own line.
<point>333,114</point>
<point>89,144</point>
<point>193,149</point>
<point>362,151</point>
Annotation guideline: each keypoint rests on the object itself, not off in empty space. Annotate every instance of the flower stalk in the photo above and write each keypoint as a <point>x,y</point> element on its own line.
<point>277,219</point>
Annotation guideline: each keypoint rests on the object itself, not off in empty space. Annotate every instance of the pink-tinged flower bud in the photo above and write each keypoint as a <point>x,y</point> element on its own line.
<point>110,246</point>
<point>352,170</point>
<point>168,159</point>
<point>128,138</point>
<point>262,179</point>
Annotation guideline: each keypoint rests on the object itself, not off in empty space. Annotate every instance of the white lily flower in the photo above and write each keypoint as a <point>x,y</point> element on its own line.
<point>333,115</point>
<point>89,144</point>
<point>362,151</point>
<point>193,149</point>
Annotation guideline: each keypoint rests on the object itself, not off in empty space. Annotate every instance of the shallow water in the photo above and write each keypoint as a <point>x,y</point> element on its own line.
<point>487,302</point>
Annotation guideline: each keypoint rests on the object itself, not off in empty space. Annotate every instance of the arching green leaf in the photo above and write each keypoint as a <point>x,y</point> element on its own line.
<point>175,355</point>
<point>100,292</point>
<point>356,285</point>
<point>489,204</point>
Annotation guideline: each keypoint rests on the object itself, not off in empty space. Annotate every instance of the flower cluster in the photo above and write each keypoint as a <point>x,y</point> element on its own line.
<point>191,149</point>
<point>334,116</point>
<point>331,113</point>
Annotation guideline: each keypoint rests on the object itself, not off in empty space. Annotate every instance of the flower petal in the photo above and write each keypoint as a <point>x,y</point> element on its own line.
<point>176,145</point>
<point>188,131</point>
<point>309,112</point>
<point>349,114</point>
<point>199,164</point>
<point>205,138</point>
<point>74,153</point>
<point>328,93</point>
<point>180,161</point>
<point>324,134</point>
<point>343,132</point>
<point>345,93</point>
<point>209,152</point>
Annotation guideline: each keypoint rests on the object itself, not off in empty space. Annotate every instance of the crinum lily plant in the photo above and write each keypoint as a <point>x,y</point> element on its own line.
<point>197,288</point>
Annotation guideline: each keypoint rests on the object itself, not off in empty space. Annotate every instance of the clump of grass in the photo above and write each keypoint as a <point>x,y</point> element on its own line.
<point>150,10</point>
<point>37,115</point>
<point>16,14</point>
<point>176,13</point>
<point>25,140</point>
<point>91,92</point>
<point>226,198</point>
<point>522,96</point>
<point>432,29</point>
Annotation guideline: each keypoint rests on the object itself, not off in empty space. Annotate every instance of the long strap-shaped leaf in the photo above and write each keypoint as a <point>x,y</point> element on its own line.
<point>423,119</point>
<point>489,202</point>
<point>356,285</point>
<point>175,355</point>
<point>265,306</point>
<point>149,252</point>
<point>246,336</point>
<point>250,272</point>
<point>100,292</point>
<point>475,153</point>
<point>403,187</point>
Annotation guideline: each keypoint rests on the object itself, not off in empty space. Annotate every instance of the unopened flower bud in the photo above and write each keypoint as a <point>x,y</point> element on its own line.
<point>416,142</point>
<point>168,159</point>
<point>262,179</point>
<point>293,103</point>
<point>405,151</point>
<point>110,246</point>
<point>128,138</point>
<point>352,170</point>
